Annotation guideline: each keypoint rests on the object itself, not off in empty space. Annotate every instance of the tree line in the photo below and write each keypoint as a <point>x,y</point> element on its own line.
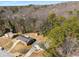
<point>64,34</point>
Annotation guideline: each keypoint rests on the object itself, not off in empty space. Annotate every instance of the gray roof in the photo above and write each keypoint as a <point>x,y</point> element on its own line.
<point>28,40</point>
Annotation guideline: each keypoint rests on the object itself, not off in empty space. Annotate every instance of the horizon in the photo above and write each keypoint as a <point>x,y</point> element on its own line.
<point>25,3</point>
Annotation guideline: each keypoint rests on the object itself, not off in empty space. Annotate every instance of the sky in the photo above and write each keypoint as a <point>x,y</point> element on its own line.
<point>23,3</point>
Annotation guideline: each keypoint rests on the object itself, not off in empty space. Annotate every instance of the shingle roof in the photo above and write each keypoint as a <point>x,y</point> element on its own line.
<point>28,40</point>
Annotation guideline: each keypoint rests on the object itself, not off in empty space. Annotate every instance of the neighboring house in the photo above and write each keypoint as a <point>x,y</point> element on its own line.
<point>9,35</point>
<point>35,48</point>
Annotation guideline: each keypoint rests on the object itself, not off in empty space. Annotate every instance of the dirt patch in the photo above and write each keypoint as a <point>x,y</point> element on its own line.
<point>37,54</point>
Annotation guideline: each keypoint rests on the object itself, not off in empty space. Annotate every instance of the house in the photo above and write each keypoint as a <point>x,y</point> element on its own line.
<point>9,35</point>
<point>27,40</point>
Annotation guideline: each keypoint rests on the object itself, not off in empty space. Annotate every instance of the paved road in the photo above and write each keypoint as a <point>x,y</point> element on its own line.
<point>4,53</point>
